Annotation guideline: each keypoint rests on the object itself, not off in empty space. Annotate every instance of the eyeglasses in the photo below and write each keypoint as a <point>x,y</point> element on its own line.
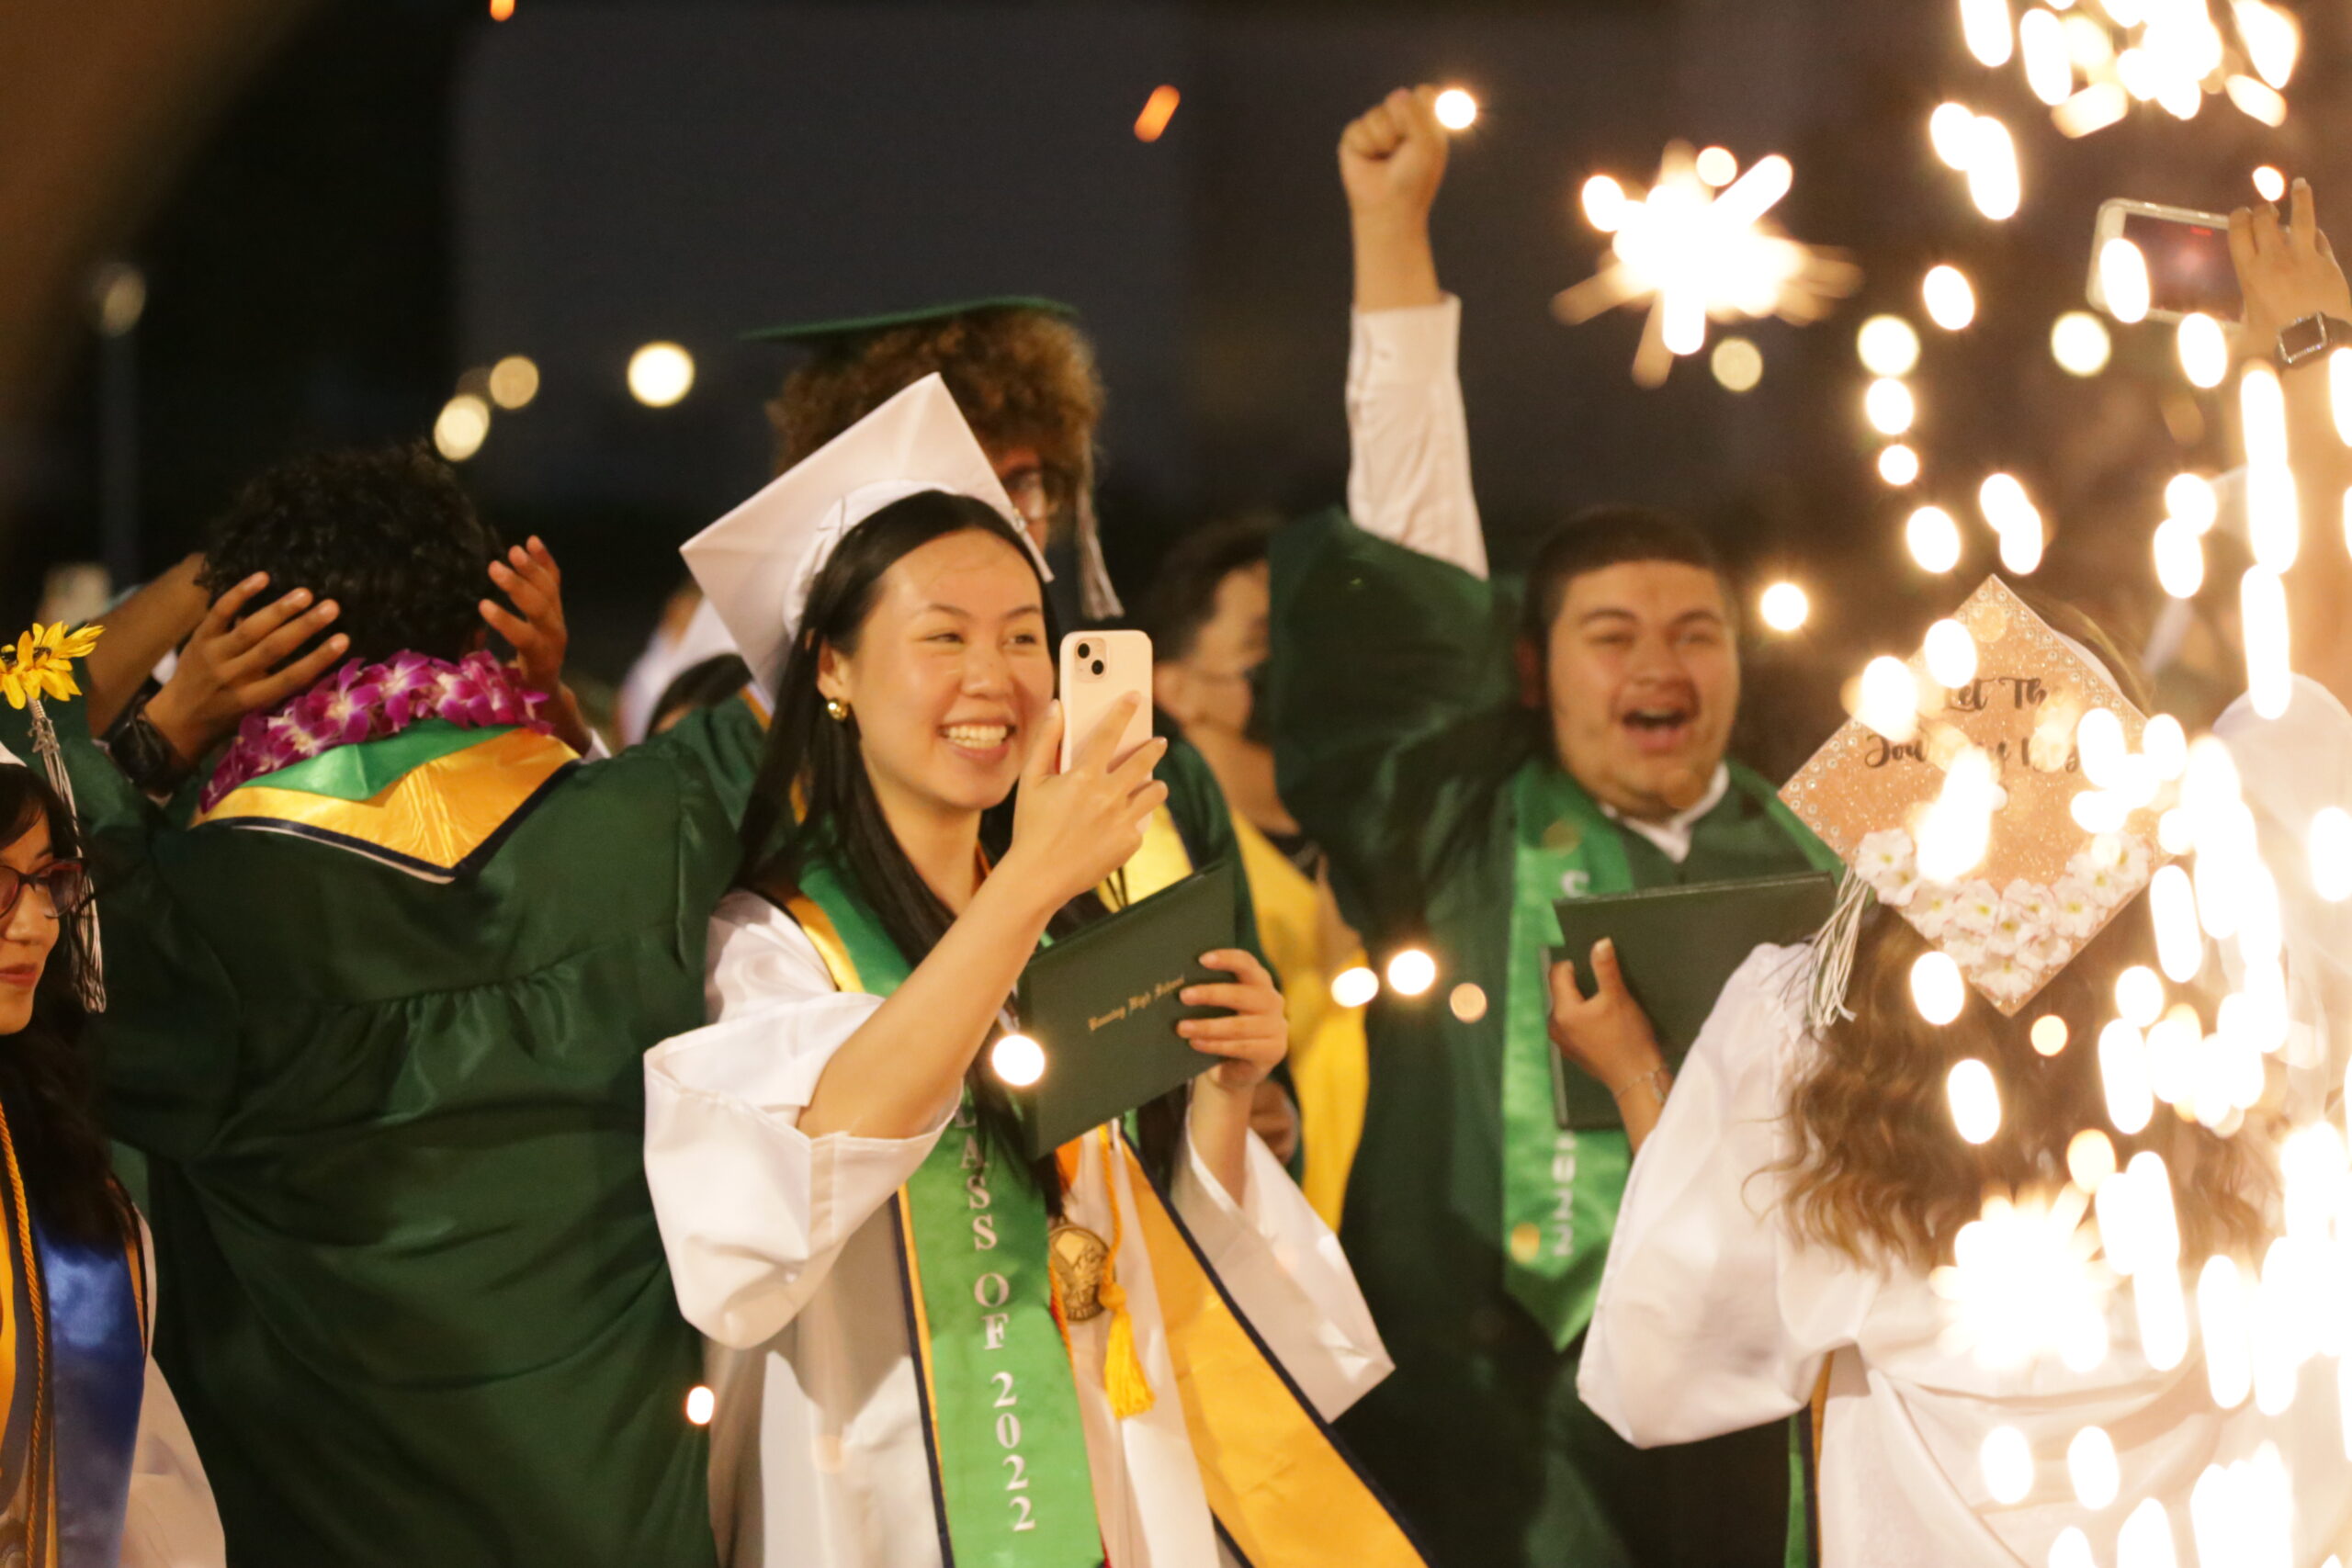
<point>64,883</point>
<point>1038,492</point>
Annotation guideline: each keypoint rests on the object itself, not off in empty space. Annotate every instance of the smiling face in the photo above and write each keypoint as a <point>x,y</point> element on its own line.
<point>28,934</point>
<point>1643,680</point>
<point>950,675</point>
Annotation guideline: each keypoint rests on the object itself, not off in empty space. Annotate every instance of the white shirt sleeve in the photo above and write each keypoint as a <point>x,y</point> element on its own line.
<point>1711,1317</point>
<point>1287,1275</point>
<point>1408,443</point>
<point>752,1211</point>
<point>170,1519</point>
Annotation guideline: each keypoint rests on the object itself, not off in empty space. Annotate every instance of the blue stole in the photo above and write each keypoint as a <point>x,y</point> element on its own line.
<point>73,1349</point>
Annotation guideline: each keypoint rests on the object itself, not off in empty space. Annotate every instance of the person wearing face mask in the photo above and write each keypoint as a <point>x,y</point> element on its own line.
<point>1464,763</point>
<point>1207,614</point>
<point>97,1465</point>
<point>925,1348</point>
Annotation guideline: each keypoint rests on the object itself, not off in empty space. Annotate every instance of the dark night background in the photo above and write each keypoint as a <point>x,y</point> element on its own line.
<point>403,190</point>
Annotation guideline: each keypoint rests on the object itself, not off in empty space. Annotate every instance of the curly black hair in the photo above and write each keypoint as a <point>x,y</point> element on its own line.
<point>387,533</point>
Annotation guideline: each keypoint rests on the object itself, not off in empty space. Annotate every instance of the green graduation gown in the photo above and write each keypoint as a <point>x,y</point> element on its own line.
<point>412,1298</point>
<point>1396,740</point>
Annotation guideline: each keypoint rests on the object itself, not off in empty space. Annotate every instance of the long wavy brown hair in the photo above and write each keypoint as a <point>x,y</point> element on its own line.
<point>1879,1173</point>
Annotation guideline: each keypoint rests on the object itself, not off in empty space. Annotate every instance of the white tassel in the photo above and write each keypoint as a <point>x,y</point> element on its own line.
<point>1832,956</point>
<point>92,982</point>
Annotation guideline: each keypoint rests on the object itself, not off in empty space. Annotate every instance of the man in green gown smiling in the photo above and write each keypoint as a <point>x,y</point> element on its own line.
<point>1465,764</point>
<point>377,1018</point>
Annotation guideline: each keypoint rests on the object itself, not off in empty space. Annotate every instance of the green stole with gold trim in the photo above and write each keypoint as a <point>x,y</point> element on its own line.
<point>1001,1425</point>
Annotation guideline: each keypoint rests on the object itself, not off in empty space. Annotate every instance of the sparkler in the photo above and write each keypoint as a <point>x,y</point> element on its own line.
<point>2091,62</point>
<point>1692,253</point>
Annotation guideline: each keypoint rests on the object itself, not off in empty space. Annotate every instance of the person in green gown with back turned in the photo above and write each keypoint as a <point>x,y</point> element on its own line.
<point>1465,764</point>
<point>383,975</point>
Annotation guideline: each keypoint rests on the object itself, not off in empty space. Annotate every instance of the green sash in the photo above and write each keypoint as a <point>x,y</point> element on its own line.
<point>1007,1447</point>
<point>1561,1189</point>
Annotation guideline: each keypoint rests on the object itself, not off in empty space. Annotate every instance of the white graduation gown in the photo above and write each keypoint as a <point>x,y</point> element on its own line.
<point>170,1519</point>
<point>1711,1317</point>
<point>782,1255</point>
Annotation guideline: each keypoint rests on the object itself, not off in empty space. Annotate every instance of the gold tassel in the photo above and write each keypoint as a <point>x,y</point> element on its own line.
<point>1123,1377</point>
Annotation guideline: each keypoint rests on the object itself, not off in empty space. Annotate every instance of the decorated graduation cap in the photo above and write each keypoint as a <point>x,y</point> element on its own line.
<point>841,345</point>
<point>757,564</point>
<point>2005,815</point>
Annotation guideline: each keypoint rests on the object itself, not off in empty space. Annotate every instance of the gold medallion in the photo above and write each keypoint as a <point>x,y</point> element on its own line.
<point>1562,837</point>
<point>1076,1255</point>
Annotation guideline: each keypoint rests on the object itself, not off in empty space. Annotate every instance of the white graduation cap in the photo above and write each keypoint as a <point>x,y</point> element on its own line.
<point>757,564</point>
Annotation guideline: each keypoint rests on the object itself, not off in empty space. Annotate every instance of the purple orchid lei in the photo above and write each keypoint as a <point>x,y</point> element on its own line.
<point>367,702</point>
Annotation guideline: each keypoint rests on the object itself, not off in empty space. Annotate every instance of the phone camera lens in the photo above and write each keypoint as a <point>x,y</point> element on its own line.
<point>1098,667</point>
<point>1086,651</point>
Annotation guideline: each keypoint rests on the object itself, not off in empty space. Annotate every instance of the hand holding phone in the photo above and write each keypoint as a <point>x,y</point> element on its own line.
<point>1097,670</point>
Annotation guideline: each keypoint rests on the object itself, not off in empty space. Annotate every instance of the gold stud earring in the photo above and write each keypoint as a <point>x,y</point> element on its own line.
<point>837,710</point>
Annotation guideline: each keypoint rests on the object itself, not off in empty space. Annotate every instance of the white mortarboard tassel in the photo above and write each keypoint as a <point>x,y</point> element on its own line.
<point>92,982</point>
<point>757,564</point>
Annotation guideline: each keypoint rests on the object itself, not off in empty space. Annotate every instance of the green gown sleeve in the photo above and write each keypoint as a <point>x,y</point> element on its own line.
<point>1391,678</point>
<point>166,1046</point>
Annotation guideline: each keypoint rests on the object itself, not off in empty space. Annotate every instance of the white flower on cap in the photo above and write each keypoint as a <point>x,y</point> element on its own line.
<point>757,564</point>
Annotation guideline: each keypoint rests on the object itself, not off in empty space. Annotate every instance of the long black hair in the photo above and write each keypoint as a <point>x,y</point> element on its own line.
<point>46,1083</point>
<point>838,814</point>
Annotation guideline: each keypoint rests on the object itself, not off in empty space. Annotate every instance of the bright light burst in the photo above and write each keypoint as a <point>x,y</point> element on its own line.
<point>1693,253</point>
<point>2025,1282</point>
<point>2092,63</point>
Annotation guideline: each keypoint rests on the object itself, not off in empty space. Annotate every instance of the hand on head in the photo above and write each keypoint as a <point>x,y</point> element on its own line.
<point>534,629</point>
<point>2286,271</point>
<point>1071,829</point>
<point>237,663</point>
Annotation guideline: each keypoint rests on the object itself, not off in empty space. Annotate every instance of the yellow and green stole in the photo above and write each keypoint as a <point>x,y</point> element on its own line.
<point>1011,1482</point>
<point>73,1372</point>
<point>434,801</point>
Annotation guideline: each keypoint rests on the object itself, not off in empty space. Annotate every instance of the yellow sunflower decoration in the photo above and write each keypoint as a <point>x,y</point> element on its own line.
<point>41,663</point>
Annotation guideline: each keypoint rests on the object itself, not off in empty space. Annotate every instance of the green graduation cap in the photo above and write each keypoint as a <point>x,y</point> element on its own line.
<point>818,334</point>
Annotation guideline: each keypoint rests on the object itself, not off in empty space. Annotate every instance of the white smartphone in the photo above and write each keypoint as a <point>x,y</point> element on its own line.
<point>2187,254</point>
<point>1098,668</point>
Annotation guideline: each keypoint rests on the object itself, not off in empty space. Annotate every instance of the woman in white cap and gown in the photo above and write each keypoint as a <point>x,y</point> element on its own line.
<point>927,1348</point>
<point>1986,1172</point>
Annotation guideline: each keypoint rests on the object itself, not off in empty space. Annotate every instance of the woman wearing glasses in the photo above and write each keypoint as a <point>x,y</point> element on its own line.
<point>96,1464</point>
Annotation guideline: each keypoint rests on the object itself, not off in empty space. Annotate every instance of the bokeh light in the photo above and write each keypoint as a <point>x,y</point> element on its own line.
<point>2079,342</point>
<point>461,428</point>
<point>513,381</point>
<point>1898,465</point>
<point>1457,109</point>
<point>1017,1060</point>
<point>1888,345</point>
<point>659,374</point>
<point>1784,607</point>
<point>1411,972</point>
<point>1951,303</point>
<point>1737,364</point>
<point>1933,538</point>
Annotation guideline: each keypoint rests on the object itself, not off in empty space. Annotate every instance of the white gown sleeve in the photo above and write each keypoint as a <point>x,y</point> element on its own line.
<point>1711,1318</point>
<point>170,1520</point>
<point>2290,769</point>
<point>1285,1271</point>
<point>752,1211</point>
<point>1408,442</point>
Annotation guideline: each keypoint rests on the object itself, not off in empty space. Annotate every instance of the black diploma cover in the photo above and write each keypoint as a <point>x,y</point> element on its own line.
<point>1104,1005</point>
<point>1676,947</point>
